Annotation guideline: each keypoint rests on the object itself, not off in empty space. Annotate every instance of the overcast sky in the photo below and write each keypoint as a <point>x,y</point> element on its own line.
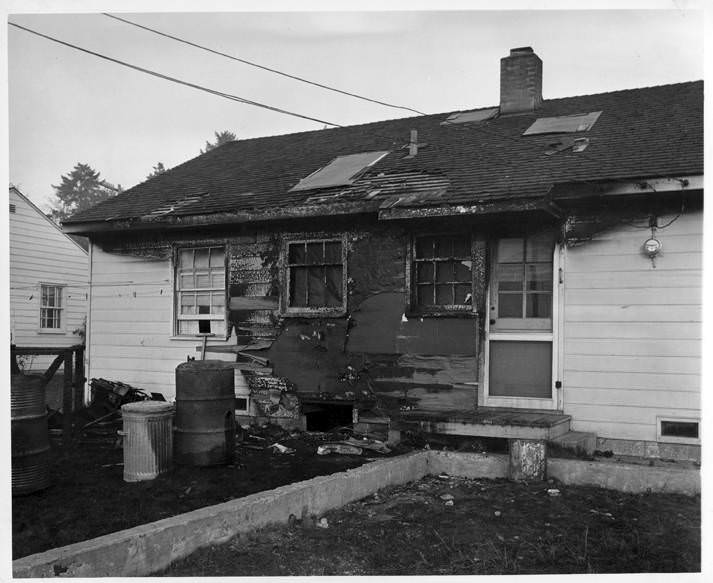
<point>67,107</point>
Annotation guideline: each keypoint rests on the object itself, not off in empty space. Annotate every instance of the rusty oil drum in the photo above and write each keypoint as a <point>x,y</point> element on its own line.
<point>205,413</point>
<point>29,434</point>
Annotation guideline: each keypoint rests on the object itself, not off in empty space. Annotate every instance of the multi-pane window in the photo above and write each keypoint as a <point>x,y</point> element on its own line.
<point>50,307</point>
<point>443,273</point>
<point>315,274</point>
<point>524,277</point>
<point>200,291</point>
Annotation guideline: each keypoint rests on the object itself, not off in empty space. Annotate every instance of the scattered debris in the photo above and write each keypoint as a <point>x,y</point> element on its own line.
<point>449,503</point>
<point>553,492</point>
<point>339,448</point>
<point>446,496</point>
<point>497,513</point>
<point>323,523</point>
<point>279,448</point>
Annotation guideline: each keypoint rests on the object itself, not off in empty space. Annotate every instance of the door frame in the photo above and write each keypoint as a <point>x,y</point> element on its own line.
<point>554,402</point>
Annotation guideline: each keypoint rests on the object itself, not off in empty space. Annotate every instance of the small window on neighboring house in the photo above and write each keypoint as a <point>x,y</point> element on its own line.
<point>12,209</point>
<point>51,307</point>
<point>315,276</point>
<point>200,291</point>
<point>442,273</point>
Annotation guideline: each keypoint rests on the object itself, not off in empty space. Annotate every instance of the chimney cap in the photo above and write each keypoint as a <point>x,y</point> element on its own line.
<point>521,51</point>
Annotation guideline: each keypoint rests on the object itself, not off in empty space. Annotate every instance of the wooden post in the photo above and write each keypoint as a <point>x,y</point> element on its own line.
<point>78,379</point>
<point>67,400</point>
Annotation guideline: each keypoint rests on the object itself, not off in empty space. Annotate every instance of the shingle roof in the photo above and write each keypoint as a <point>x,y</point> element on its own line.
<point>648,132</point>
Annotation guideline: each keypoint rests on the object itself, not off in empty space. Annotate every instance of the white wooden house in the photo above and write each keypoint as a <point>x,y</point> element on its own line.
<point>542,256</point>
<point>48,282</point>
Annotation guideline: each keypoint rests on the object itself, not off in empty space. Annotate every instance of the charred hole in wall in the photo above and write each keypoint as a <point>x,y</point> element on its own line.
<point>327,416</point>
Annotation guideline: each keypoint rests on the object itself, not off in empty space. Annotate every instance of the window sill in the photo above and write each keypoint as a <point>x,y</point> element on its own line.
<point>339,313</point>
<point>199,338</point>
<point>51,331</point>
<point>441,314</point>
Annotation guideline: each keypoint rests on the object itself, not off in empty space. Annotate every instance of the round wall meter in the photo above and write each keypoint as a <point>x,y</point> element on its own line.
<point>652,247</point>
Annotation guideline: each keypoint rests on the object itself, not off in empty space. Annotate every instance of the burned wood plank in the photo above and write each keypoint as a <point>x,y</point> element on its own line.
<point>56,363</point>
<point>254,303</point>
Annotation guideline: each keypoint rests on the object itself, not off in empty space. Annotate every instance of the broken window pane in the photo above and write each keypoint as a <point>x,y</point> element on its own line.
<point>444,271</point>
<point>463,271</point>
<point>424,272</point>
<point>316,287</point>
<point>200,269</point>
<point>463,294</point>
<point>444,295</point>
<point>333,252</point>
<point>297,253</point>
<point>424,295</point>
<point>315,253</point>
<point>424,247</point>
<point>201,258</point>
<point>321,284</point>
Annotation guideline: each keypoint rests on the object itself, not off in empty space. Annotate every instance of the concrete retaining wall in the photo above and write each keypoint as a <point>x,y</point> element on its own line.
<point>151,547</point>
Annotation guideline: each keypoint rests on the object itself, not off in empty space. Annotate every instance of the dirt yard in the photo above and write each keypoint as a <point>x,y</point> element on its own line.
<point>452,526</point>
<point>88,496</point>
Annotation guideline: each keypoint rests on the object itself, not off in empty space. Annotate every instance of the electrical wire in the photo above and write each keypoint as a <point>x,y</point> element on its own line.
<point>263,67</point>
<point>175,80</point>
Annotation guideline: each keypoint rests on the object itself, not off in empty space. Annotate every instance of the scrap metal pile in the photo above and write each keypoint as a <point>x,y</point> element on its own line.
<point>102,417</point>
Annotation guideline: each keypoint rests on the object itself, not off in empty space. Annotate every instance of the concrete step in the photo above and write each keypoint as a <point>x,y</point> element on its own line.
<point>577,441</point>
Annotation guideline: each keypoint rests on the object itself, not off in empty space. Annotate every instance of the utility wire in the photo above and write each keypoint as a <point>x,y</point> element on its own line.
<point>179,81</point>
<point>263,67</point>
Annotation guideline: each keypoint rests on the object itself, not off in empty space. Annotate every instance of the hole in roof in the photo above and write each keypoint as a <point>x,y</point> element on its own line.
<point>581,122</point>
<point>342,171</point>
<point>470,116</point>
<point>176,204</point>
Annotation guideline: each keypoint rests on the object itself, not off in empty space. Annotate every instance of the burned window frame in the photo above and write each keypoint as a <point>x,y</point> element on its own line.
<point>178,291</point>
<point>441,310</point>
<point>58,309</point>
<point>287,272</point>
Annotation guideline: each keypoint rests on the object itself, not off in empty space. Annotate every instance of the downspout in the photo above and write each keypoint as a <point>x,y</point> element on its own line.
<point>88,332</point>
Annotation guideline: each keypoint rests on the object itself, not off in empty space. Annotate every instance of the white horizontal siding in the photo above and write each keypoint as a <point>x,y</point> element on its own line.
<point>631,346</point>
<point>131,323</point>
<point>41,253</point>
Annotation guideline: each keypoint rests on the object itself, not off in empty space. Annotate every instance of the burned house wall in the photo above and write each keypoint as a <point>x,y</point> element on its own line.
<point>632,326</point>
<point>403,361</point>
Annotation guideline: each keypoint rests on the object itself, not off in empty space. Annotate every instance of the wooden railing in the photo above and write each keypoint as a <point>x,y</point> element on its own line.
<point>73,388</point>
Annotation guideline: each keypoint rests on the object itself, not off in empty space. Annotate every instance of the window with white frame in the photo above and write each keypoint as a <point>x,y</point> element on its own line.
<point>315,276</point>
<point>200,291</point>
<point>51,307</point>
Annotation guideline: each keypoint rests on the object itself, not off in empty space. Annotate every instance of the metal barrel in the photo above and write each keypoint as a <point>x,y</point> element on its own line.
<point>205,413</point>
<point>29,434</point>
<point>148,439</point>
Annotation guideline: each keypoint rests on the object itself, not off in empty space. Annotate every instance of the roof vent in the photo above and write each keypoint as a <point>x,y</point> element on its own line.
<point>520,81</point>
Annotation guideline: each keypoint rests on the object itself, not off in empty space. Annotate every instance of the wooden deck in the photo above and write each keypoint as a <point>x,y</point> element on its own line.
<point>488,422</point>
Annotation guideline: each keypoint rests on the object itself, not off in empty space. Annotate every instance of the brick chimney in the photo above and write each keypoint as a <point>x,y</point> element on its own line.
<point>520,81</point>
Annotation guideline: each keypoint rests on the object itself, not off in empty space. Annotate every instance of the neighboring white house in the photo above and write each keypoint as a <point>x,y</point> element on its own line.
<point>48,281</point>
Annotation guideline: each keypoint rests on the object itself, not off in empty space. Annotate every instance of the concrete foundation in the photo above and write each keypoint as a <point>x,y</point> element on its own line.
<point>151,547</point>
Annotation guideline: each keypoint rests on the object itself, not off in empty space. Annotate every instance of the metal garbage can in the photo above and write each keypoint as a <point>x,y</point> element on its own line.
<point>29,434</point>
<point>148,439</point>
<point>205,413</point>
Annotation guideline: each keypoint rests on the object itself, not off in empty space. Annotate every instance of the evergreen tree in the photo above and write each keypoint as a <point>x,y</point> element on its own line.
<point>158,169</point>
<point>79,190</point>
<point>220,138</point>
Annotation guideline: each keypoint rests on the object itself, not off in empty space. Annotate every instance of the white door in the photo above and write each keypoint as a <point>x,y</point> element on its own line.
<point>520,345</point>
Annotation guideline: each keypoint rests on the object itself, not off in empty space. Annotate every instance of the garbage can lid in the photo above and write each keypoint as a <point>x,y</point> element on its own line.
<point>147,407</point>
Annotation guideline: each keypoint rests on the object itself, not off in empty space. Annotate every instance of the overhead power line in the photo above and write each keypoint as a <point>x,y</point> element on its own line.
<point>175,80</point>
<point>263,67</point>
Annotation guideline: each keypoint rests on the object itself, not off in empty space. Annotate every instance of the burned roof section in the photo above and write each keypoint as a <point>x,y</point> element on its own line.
<point>655,131</point>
